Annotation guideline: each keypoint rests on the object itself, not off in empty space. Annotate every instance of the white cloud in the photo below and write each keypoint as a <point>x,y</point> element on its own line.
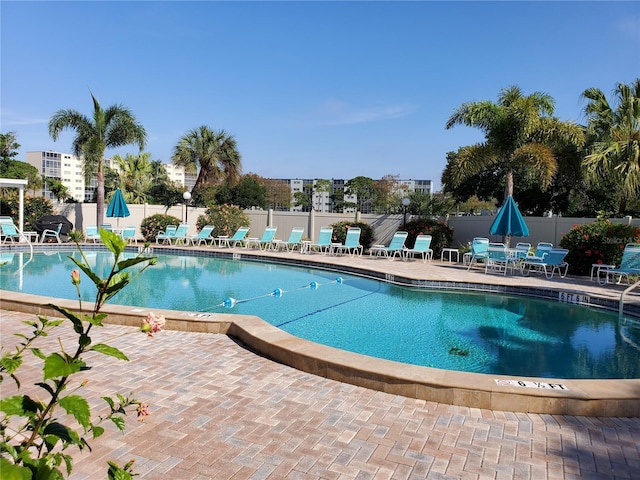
<point>10,118</point>
<point>335,112</point>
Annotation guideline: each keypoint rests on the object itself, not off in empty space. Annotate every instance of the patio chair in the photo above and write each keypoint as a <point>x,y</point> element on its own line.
<point>541,249</point>
<point>351,243</point>
<point>9,232</point>
<point>129,234</point>
<point>498,259</point>
<point>92,234</point>
<point>51,234</point>
<point>421,247</point>
<point>551,262</point>
<point>107,226</point>
<point>479,247</point>
<point>521,251</point>
<point>395,247</point>
<point>323,245</point>
<point>264,242</point>
<point>166,235</point>
<point>238,238</point>
<point>294,241</point>
<point>629,265</point>
<point>180,237</point>
<point>204,236</point>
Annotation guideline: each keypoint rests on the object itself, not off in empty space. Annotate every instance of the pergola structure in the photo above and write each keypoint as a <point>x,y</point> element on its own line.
<point>19,184</point>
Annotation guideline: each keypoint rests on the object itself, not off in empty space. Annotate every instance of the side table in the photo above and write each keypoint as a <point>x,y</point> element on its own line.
<point>450,252</point>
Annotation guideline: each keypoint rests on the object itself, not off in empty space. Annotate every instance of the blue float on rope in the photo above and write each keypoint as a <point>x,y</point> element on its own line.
<point>278,292</point>
<point>339,280</point>
<point>229,302</point>
<point>313,285</point>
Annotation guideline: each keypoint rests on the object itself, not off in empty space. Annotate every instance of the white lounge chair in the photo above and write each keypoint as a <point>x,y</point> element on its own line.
<point>394,249</point>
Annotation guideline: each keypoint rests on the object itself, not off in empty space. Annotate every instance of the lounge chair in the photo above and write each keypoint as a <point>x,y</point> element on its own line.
<point>395,247</point>
<point>129,234</point>
<point>166,236</point>
<point>521,251</point>
<point>323,245</point>
<point>9,232</point>
<point>351,243</point>
<point>421,247</point>
<point>180,237</point>
<point>204,236</point>
<point>498,259</point>
<point>541,249</point>
<point>551,262</point>
<point>107,226</point>
<point>54,234</point>
<point>629,265</point>
<point>92,234</point>
<point>263,243</point>
<point>238,238</point>
<point>479,247</point>
<point>294,241</point>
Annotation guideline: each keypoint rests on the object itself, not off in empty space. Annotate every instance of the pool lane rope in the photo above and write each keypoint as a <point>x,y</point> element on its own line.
<point>231,302</point>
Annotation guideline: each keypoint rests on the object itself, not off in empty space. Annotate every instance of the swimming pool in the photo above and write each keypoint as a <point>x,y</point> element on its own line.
<point>465,332</point>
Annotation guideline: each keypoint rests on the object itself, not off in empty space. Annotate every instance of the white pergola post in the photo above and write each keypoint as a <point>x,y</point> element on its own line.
<point>19,184</point>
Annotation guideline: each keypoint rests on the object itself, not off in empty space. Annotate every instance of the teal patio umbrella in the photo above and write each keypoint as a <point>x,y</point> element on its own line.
<point>117,206</point>
<point>509,221</point>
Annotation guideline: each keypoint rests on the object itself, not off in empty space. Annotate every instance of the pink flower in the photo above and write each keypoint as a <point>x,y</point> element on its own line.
<point>75,277</point>
<point>152,324</point>
<point>143,411</point>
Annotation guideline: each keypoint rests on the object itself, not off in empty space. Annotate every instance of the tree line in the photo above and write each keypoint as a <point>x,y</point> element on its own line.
<point>548,165</point>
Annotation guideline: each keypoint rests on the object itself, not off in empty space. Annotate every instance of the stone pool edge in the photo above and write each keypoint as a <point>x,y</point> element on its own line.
<point>597,398</point>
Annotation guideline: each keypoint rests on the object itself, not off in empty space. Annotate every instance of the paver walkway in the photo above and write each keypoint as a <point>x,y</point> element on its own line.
<point>219,411</point>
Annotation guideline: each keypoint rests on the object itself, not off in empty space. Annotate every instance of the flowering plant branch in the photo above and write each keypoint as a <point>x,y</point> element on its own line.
<point>33,441</point>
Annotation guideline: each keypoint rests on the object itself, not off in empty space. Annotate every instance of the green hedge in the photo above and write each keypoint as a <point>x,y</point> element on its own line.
<point>599,242</point>
<point>441,233</point>
<point>151,226</point>
<point>225,218</point>
<point>340,232</point>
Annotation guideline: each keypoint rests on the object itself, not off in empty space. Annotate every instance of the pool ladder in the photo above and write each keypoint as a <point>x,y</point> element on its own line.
<point>621,302</point>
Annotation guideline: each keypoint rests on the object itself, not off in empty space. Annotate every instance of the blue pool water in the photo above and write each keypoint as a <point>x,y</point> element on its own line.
<point>455,331</point>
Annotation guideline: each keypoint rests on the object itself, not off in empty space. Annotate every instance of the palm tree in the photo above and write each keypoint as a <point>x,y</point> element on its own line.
<point>111,128</point>
<point>519,131</point>
<point>212,153</point>
<point>135,176</point>
<point>614,139</point>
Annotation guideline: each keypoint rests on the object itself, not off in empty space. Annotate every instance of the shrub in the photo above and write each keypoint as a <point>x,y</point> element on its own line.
<point>34,209</point>
<point>441,233</point>
<point>226,218</point>
<point>340,232</point>
<point>151,226</point>
<point>598,242</point>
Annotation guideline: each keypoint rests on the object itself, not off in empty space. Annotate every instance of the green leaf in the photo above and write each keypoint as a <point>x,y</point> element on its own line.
<point>118,422</point>
<point>84,341</point>
<point>11,471</point>
<point>12,405</point>
<point>11,363</point>
<point>96,319</point>
<point>111,351</point>
<point>109,401</point>
<point>38,353</point>
<point>56,429</point>
<point>87,271</point>
<point>46,386</point>
<point>78,407</point>
<point>129,262</point>
<point>77,323</point>
<point>97,431</point>
<point>56,366</point>
<point>113,242</point>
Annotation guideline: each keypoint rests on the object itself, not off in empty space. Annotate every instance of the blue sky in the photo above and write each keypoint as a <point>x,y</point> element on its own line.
<point>308,89</point>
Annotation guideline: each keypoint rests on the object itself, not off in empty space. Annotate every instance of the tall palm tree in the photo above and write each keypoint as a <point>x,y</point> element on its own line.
<point>519,131</point>
<point>613,132</point>
<point>212,153</point>
<point>135,176</point>
<point>111,128</point>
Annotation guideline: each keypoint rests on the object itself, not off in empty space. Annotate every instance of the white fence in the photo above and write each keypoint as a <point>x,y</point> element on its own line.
<point>541,229</point>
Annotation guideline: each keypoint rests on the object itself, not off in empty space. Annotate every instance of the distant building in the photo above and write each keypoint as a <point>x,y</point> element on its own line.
<point>68,169</point>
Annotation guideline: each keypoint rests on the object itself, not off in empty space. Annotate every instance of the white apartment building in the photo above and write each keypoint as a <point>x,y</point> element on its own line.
<point>68,168</point>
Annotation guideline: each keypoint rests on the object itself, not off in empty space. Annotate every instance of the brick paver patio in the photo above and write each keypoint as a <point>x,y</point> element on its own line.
<point>218,411</point>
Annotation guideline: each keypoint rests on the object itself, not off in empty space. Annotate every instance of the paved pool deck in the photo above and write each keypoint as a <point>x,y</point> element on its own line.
<point>220,411</point>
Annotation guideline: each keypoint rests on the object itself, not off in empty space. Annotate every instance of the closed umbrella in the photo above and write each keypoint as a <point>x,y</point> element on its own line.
<point>117,206</point>
<point>509,221</point>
